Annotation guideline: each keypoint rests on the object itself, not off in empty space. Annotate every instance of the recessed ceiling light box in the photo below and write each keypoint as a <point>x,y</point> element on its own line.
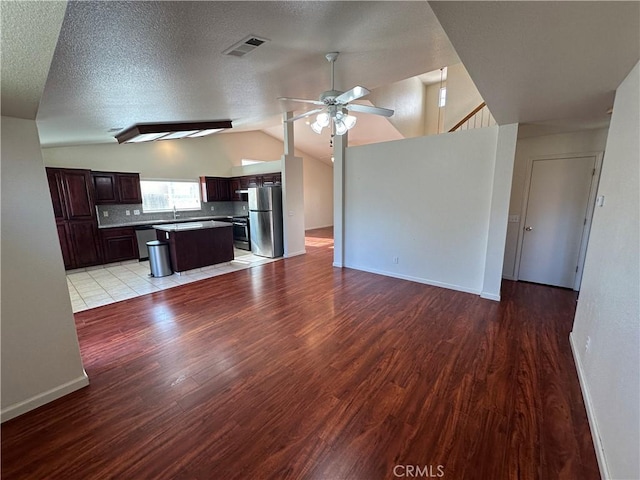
<point>147,132</point>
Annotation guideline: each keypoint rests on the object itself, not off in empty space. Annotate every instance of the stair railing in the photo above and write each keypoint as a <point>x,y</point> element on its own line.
<point>477,118</point>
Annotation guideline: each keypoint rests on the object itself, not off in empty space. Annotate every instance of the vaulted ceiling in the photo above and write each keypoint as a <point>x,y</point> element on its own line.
<point>120,63</point>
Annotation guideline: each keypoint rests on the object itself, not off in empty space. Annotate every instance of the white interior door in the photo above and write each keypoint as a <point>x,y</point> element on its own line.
<point>555,220</point>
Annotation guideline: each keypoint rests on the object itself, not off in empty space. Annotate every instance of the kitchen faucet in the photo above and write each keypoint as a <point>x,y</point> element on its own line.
<point>175,213</point>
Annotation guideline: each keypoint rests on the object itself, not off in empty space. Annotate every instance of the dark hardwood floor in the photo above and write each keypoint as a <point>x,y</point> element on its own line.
<point>298,370</point>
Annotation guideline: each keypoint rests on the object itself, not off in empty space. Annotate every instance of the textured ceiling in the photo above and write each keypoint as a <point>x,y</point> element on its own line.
<point>556,64</point>
<point>545,61</point>
<point>120,63</point>
<point>29,34</point>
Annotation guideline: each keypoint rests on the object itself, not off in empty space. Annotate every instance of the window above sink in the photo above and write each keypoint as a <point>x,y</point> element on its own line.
<point>165,195</point>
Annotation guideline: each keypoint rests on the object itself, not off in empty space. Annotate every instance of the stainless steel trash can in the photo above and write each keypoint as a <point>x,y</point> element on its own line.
<point>159,259</point>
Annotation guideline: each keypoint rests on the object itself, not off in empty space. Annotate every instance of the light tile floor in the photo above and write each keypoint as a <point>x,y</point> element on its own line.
<point>96,286</point>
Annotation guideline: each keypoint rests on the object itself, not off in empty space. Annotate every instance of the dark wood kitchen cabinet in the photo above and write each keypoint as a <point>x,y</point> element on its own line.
<point>199,247</point>
<point>118,244</point>
<point>235,184</point>
<point>54,177</point>
<point>74,208</point>
<point>270,179</point>
<point>85,243</point>
<point>71,193</point>
<point>248,181</point>
<point>116,187</point>
<point>65,244</point>
<point>215,189</point>
<point>264,180</point>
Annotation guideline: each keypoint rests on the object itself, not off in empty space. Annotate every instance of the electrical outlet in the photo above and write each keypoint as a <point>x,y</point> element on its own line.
<point>587,345</point>
<point>212,208</point>
<point>127,212</point>
<point>136,212</point>
<point>514,218</point>
<point>395,260</point>
<point>105,213</point>
<point>244,207</point>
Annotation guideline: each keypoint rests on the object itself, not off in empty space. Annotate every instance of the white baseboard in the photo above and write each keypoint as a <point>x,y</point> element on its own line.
<point>316,228</point>
<point>510,277</point>
<point>593,423</point>
<point>338,265</point>
<point>36,401</point>
<point>295,254</point>
<point>426,281</point>
<point>490,296</point>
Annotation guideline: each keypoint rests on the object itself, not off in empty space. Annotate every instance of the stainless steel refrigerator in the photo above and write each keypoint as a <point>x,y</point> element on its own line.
<point>265,221</point>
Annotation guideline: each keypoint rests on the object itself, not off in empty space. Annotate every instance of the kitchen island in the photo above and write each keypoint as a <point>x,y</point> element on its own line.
<point>197,244</point>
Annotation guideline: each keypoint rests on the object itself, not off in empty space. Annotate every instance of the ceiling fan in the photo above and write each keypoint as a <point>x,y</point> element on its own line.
<point>335,105</point>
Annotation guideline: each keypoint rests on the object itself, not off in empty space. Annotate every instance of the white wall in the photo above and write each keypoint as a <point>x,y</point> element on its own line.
<point>426,201</point>
<point>407,99</point>
<point>587,141</point>
<point>462,95</point>
<point>608,311</point>
<point>179,159</point>
<point>318,198</point>
<point>40,353</point>
<point>293,205</point>
<point>500,191</point>
<point>434,115</point>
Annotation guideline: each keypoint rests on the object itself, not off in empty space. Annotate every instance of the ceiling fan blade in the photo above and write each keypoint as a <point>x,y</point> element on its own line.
<point>301,100</point>
<point>353,94</point>
<point>385,112</point>
<point>305,114</point>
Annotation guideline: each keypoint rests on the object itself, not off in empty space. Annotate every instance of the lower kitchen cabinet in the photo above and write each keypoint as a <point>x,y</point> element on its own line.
<point>85,246</point>
<point>79,243</point>
<point>119,244</point>
<point>65,245</point>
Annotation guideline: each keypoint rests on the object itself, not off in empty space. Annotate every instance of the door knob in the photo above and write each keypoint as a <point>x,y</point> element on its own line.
<point>528,229</point>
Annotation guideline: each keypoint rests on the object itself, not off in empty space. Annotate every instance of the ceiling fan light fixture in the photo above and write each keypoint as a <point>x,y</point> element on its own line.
<point>323,119</point>
<point>350,121</point>
<point>316,127</point>
<point>341,128</point>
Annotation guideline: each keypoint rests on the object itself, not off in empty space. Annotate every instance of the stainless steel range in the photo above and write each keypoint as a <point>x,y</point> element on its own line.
<point>241,237</point>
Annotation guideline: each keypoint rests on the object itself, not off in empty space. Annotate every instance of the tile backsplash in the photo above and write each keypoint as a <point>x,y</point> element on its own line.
<point>117,214</point>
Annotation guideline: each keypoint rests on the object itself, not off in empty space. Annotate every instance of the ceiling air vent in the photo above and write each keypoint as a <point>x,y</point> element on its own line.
<point>244,46</point>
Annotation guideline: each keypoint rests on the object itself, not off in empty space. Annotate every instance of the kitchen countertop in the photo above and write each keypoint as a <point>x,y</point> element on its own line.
<point>179,227</point>
<point>171,221</point>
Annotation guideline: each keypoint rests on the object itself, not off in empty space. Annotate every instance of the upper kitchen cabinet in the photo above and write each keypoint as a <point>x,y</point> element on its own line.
<point>116,187</point>
<point>215,189</point>
<point>264,180</point>
<point>269,179</point>
<point>129,187</point>
<point>54,177</point>
<point>239,184</point>
<point>71,193</point>
<point>73,205</point>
